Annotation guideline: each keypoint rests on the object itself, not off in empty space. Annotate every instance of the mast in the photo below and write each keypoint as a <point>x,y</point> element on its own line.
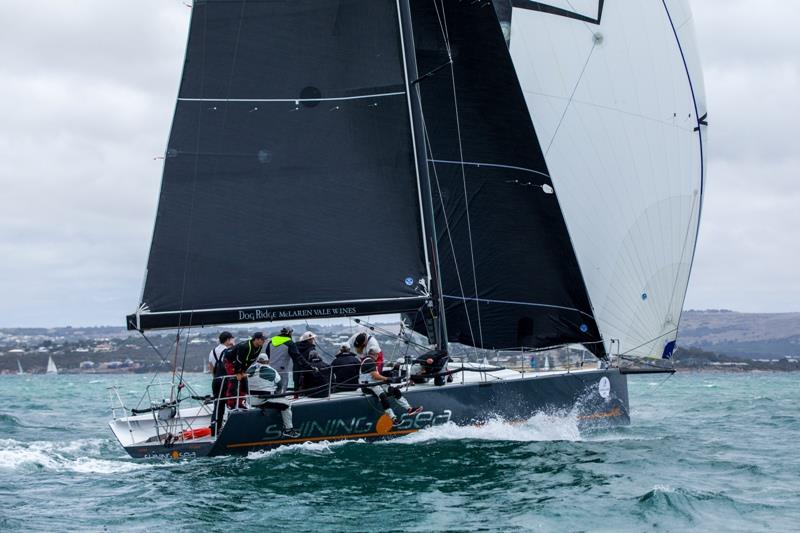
<point>418,133</point>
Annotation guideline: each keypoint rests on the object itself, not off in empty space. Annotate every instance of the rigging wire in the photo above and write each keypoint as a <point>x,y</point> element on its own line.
<point>156,373</point>
<point>463,175</point>
<point>447,230</point>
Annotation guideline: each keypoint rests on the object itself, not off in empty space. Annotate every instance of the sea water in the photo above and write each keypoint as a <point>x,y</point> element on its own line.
<point>704,452</point>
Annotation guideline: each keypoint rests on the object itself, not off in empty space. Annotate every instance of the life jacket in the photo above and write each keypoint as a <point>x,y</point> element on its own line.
<point>219,363</point>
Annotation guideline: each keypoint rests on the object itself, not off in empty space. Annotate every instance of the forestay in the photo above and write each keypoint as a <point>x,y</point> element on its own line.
<point>616,94</point>
<point>290,184</point>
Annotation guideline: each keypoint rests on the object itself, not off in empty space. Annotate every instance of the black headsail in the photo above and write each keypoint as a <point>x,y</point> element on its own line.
<point>290,185</point>
<point>509,273</point>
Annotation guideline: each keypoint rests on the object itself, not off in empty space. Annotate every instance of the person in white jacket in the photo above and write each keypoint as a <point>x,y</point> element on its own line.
<point>264,381</point>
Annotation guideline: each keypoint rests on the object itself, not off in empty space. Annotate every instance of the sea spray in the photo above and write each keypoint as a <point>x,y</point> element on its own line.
<point>540,427</point>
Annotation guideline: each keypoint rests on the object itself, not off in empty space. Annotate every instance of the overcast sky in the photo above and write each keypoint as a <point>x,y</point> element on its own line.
<point>87,91</point>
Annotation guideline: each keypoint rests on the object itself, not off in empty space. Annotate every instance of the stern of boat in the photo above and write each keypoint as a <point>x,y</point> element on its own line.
<point>163,430</point>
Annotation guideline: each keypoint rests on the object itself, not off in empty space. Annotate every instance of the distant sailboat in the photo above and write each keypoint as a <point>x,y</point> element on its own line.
<point>20,372</point>
<point>51,366</point>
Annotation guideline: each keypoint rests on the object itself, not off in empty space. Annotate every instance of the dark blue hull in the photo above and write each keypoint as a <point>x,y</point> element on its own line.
<point>597,397</point>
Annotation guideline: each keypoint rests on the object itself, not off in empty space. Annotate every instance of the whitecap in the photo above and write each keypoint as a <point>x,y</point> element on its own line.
<point>540,427</point>
<point>58,456</point>
<point>664,489</point>
<point>320,447</point>
<point>88,465</point>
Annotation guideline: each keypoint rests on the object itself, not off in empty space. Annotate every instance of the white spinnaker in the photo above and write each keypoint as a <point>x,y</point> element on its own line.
<point>616,108</point>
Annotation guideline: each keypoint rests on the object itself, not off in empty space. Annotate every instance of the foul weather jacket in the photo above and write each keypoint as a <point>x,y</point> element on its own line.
<point>345,371</point>
<point>282,352</point>
<point>242,355</point>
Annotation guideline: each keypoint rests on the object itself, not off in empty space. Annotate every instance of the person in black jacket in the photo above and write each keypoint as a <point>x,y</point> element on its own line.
<point>345,370</point>
<point>308,366</point>
<point>237,360</point>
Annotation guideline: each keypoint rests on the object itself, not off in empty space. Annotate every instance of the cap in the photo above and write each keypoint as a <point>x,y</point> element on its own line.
<point>307,335</point>
<point>263,358</point>
<point>258,335</point>
<point>286,331</point>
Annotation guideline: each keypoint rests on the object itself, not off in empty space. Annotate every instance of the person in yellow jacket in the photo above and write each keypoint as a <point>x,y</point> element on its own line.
<point>282,352</point>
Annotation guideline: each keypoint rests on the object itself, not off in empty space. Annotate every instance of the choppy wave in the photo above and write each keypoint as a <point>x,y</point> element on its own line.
<point>8,421</point>
<point>71,456</point>
<point>321,447</point>
<point>694,458</point>
<point>664,498</point>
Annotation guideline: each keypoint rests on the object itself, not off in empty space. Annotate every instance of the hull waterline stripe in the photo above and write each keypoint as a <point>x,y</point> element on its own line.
<point>330,437</point>
<point>608,414</point>
<point>334,99</point>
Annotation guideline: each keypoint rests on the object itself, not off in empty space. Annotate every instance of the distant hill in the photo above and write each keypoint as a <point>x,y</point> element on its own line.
<point>771,336</point>
<point>744,335</point>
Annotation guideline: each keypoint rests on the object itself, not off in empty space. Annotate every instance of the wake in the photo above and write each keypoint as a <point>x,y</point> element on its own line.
<point>78,456</point>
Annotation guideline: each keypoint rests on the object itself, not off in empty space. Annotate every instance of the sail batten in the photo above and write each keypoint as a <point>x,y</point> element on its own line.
<point>331,99</point>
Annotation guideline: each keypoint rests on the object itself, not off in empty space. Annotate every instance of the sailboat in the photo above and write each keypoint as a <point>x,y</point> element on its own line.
<point>506,175</point>
<point>51,366</point>
<point>20,372</point>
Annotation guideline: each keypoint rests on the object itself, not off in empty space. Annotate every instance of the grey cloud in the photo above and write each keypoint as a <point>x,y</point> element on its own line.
<point>748,252</point>
<point>87,91</point>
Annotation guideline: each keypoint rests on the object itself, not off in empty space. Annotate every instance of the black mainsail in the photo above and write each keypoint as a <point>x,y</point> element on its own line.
<point>290,185</point>
<point>509,273</point>
<point>303,180</point>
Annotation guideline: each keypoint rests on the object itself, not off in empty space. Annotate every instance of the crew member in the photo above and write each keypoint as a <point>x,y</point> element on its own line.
<point>310,371</point>
<point>237,360</point>
<point>282,352</point>
<point>345,370</point>
<point>373,382</point>
<point>367,345</point>
<point>302,367</point>
<point>264,381</point>
<point>216,366</point>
